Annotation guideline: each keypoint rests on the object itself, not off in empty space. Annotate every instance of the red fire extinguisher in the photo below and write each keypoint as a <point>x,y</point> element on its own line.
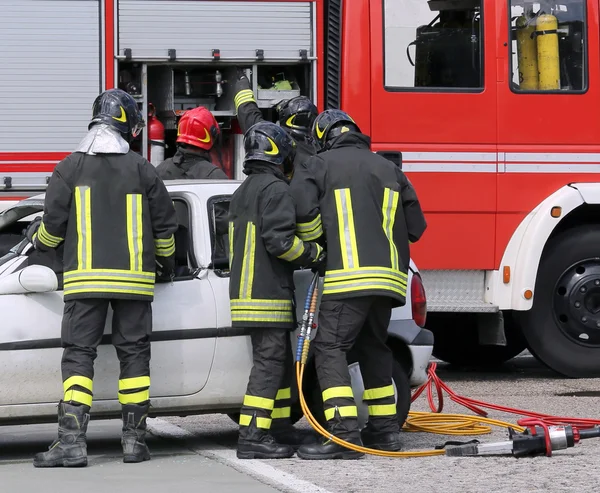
<point>156,137</point>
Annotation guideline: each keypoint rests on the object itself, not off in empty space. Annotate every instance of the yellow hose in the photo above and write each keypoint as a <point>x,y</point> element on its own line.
<point>441,424</point>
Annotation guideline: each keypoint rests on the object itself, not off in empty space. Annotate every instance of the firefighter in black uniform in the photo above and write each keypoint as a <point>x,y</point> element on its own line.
<point>367,211</point>
<point>197,133</point>
<point>296,116</point>
<point>263,249</point>
<point>116,219</point>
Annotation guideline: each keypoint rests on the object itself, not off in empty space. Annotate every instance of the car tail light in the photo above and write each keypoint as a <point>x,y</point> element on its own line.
<point>419,300</point>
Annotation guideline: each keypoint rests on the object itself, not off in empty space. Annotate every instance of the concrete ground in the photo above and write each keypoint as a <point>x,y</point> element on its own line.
<point>198,453</point>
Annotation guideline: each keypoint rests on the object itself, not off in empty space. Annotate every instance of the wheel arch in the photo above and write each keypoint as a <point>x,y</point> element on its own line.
<point>578,202</point>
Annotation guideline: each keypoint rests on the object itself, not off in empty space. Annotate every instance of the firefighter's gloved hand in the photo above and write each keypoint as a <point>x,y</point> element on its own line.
<point>165,269</point>
<point>320,263</point>
<point>242,83</point>
<point>32,229</point>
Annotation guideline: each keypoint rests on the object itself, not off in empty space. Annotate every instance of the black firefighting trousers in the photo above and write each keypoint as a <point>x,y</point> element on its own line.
<point>268,395</point>
<point>82,327</point>
<point>360,324</point>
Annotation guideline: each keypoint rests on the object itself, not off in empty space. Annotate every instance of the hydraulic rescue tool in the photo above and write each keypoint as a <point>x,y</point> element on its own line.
<point>538,439</point>
<point>536,435</point>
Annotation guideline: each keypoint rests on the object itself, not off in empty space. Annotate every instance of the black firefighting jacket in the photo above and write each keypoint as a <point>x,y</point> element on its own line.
<point>367,211</point>
<point>190,164</point>
<point>263,246</point>
<point>115,217</point>
<point>248,114</point>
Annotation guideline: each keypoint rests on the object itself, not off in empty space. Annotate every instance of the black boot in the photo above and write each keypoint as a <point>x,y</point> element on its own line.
<point>134,433</point>
<point>255,443</point>
<point>389,441</point>
<point>287,434</point>
<point>328,449</point>
<point>70,449</point>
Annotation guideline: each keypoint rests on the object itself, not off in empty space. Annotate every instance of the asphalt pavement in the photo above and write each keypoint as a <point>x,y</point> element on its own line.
<point>198,453</point>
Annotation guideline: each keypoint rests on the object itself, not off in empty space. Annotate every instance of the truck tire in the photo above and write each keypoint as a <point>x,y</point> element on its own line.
<point>562,328</point>
<point>456,340</point>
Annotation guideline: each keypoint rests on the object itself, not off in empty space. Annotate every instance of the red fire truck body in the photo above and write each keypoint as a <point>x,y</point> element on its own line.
<point>491,103</point>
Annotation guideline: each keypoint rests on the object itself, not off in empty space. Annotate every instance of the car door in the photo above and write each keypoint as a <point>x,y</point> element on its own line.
<point>183,338</point>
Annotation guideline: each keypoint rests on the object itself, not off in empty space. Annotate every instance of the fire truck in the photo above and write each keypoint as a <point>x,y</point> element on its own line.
<point>489,106</point>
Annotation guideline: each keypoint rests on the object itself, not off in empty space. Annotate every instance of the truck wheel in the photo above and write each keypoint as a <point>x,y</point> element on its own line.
<point>456,340</point>
<point>563,326</point>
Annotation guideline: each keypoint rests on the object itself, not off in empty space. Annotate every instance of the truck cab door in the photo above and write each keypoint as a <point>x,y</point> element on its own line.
<point>433,98</point>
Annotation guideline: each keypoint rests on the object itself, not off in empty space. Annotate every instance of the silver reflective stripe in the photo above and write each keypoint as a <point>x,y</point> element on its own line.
<point>346,225</point>
<point>99,274</point>
<point>366,272</point>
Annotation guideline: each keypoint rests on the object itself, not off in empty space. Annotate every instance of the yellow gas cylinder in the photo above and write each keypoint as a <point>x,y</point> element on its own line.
<point>527,54</point>
<point>547,52</point>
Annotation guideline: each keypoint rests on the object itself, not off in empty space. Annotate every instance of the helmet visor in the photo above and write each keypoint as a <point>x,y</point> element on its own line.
<point>136,130</point>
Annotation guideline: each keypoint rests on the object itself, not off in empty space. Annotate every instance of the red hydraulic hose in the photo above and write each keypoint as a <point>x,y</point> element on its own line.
<point>476,406</point>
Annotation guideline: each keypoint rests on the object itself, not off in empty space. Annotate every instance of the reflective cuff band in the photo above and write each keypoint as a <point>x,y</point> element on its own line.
<point>383,410</point>
<point>284,394</point>
<point>134,383</point>
<point>135,398</point>
<point>334,392</point>
<point>80,381</point>
<point>46,238</point>
<point>281,412</point>
<point>344,412</point>
<point>259,402</point>
<point>378,393</point>
<point>264,423</point>
<point>311,230</point>
<point>242,97</point>
<point>294,252</point>
<point>319,251</point>
<point>164,248</point>
<point>79,397</point>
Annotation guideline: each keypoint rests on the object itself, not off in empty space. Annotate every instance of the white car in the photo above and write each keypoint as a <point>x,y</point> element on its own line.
<point>200,364</point>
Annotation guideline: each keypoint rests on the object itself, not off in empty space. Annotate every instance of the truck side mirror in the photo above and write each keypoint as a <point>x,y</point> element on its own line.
<point>393,156</point>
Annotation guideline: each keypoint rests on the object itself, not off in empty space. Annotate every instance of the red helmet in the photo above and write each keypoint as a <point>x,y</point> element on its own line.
<point>198,127</point>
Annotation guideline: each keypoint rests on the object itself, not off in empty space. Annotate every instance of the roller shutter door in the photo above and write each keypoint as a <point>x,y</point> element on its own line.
<point>49,73</point>
<point>151,27</point>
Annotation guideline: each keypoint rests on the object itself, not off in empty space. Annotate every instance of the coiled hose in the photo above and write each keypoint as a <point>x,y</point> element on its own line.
<point>429,422</point>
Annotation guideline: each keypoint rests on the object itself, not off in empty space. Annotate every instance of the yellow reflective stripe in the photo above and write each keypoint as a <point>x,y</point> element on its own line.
<point>346,274</point>
<point>134,383</point>
<point>259,304</point>
<point>260,402</point>
<point>77,396</point>
<point>344,411</point>
<point>84,382</point>
<point>319,251</point>
<point>247,277</point>
<point>83,215</point>
<point>261,316</point>
<point>378,393</point>
<point>46,238</point>
<point>284,394</point>
<point>349,250</point>
<point>383,410</point>
<point>264,423</point>
<point>231,231</point>
<point>164,247</point>
<point>390,204</point>
<point>135,231</point>
<point>366,285</point>
<point>108,287</point>
<point>312,236</point>
<point>294,252</point>
<point>135,398</point>
<point>334,392</point>
<point>281,412</point>
<point>244,96</point>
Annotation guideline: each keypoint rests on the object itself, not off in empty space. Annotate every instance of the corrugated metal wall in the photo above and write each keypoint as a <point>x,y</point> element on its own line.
<point>194,29</point>
<point>49,72</point>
